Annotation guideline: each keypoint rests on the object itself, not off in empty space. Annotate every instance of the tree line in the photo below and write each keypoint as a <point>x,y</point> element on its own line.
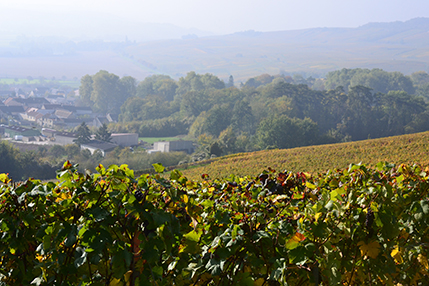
<point>265,111</point>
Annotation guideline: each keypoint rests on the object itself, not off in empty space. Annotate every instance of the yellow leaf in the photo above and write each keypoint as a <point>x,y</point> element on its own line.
<point>370,250</point>
<point>116,282</point>
<point>295,240</point>
<point>396,254</point>
<point>259,282</point>
<point>4,178</point>
<point>423,261</point>
<point>127,276</point>
<point>185,199</point>
<point>63,196</point>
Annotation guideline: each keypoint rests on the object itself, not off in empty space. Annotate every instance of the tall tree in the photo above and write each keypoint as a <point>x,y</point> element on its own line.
<point>230,81</point>
<point>85,90</point>
<point>105,91</point>
<point>103,134</point>
<point>83,134</point>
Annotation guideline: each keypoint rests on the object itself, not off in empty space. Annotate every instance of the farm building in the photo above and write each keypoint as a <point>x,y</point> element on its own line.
<point>125,139</point>
<point>173,146</point>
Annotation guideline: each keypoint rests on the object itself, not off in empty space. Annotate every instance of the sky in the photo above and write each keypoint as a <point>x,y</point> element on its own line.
<point>218,17</point>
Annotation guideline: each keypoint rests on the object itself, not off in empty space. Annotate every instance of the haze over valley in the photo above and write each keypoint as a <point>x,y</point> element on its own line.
<point>138,39</point>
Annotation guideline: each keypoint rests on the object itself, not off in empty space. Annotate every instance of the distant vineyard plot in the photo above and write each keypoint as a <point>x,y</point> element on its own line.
<point>409,149</point>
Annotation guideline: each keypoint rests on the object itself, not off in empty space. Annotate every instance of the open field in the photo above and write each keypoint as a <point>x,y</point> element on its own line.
<point>411,148</point>
<point>72,83</point>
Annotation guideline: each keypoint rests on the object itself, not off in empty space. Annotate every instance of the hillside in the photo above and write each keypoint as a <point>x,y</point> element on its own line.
<point>396,46</point>
<point>411,148</point>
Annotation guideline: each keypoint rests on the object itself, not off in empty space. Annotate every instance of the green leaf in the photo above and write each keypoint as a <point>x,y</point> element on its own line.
<point>157,270</point>
<point>297,256</point>
<point>80,257</point>
<point>190,243</point>
<point>71,237</point>
<point>175,175</point>
<point>159,168</point>
<point>192,236</point>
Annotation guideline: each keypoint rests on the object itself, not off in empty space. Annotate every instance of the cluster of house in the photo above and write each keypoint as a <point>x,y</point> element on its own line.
<point>38,111</point>
<point>52,114</point>
<point>49,136</point>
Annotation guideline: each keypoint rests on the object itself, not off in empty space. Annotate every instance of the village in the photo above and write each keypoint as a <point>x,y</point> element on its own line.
<point>48,117</point>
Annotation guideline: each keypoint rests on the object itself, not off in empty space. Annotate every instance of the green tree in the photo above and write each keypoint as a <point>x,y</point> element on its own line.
<point>420,78</point>
<point>284,132</point>
<point>85,90</point>
<point>127,87</point>
<point>103,133</point>
<point>105,92</point>
<point>230,81</point>
<point>242,119</point>
<point>83,134</point>
<point>400,109</point>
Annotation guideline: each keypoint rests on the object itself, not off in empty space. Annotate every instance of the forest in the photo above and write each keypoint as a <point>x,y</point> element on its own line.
<point>266,111</point>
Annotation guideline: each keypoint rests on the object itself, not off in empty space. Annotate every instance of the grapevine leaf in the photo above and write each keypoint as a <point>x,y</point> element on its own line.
<point>159,168</point>
<point>371,249</point>
<point>295,240</point>
<point>397,255</point>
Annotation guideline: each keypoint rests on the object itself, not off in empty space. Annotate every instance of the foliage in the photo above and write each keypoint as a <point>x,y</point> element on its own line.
<point>21,165</point>
<point>164,127</point>
<point>284,132</point>
<point>356,105</point>
<point>349,227</point>
<point>376,79</point>
<point>106,92</point>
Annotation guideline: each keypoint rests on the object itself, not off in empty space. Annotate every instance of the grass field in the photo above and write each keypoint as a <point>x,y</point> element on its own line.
<point>412,148</point>
<point>71,83</point>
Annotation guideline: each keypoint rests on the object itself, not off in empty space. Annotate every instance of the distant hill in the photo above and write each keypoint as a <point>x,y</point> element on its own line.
<point>396,46</point>
<point>407,149</point>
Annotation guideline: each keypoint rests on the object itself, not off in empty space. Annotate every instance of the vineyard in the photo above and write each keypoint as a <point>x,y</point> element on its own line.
<point>356,226</point>
<point>407,149</point>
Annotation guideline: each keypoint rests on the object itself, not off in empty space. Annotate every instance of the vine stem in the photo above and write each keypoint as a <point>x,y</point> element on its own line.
<point>353,268</point>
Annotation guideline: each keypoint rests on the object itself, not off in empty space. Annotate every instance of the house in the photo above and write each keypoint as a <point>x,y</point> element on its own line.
<point>40,91</point>
<point>83,110</point>
<point>13,110</point>
<point>37,102</point>
<point>100,120</point>
<point>95,145</point>
<point>67,123</point>
<point>12,131</point>
<point>173,146</point>
<point>49,133</point>
<point>125,139</point>
<point>11,101</point>
<point>63,138</point>
<point>64,114</point>
<point>47,120</point>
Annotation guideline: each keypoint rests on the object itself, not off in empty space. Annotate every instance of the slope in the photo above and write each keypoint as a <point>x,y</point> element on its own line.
<point>411,148</point>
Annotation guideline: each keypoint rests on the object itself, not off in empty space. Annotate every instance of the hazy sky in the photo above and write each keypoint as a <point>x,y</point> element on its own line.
<point>220,16</point>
